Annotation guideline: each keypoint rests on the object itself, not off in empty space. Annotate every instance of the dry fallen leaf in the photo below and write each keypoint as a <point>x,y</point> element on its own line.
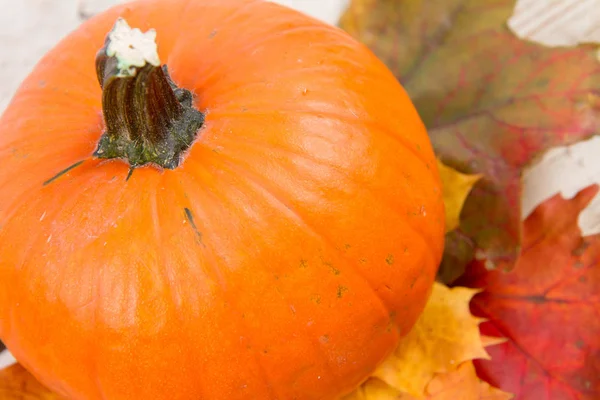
<point>18,384</point>
<point>547,308</point>
<point>491,102</point>
<point>461,384</point>
<point>456,187</point>
<point>374,389</point>
<point>445,336</point>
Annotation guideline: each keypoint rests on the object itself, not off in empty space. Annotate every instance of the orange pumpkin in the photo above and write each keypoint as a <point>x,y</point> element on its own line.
<point>267,225</point>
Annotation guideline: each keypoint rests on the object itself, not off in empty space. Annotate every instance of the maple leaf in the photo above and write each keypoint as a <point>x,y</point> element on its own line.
<point>548,308</point>
<point>456,188</point>
<point>445,336</point>
<point>461,383</point>
<point>491,102</point>
<point>16,383</point>
<point>374,389</point>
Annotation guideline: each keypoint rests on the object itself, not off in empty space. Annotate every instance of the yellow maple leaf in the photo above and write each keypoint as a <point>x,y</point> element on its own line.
<point>434,360</point>
<point>16,383</point>
<point>462,384</point>
<point>445,335</point>
<point>374,389</point>
<point>456,187</point>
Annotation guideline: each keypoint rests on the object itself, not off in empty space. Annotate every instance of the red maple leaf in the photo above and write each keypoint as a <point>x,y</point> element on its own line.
<point>548,308</point>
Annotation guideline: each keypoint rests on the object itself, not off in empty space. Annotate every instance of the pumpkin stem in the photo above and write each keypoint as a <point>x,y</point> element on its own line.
<point>148,118</point>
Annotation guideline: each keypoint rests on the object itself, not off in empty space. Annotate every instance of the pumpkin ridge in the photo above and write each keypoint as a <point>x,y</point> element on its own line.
<point>339,117</point>
<point>268,190</point>
<point>234,170</point>
<point>426,238</point>
<point>291,151</point>
<point>319,346</point>
<point>403,141</point>
<point>233,304</point>
<point>209,268</point>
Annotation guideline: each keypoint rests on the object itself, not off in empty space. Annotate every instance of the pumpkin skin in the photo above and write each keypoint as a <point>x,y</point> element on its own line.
<point>284,258</point>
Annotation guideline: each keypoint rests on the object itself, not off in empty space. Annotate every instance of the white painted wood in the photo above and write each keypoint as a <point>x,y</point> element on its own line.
<point>557,22</point>
<point>6,359</point>
<point>325,10</point>
<point>28,29</point>
<point>566,170</point>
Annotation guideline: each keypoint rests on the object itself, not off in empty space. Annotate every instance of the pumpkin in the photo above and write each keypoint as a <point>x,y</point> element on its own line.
<point>253,212</point>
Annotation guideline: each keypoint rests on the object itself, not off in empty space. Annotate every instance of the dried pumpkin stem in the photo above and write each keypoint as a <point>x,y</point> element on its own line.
<point>148,118</point>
